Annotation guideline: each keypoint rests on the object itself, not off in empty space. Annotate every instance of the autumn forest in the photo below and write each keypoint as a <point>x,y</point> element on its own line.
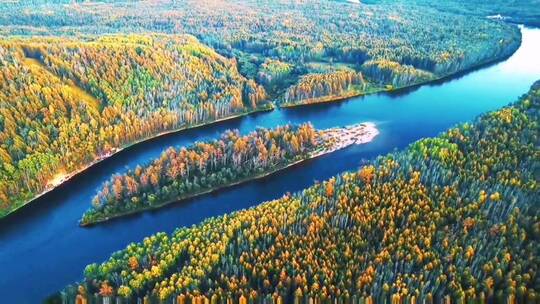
<point>122,88</point>
<point>290,151</point>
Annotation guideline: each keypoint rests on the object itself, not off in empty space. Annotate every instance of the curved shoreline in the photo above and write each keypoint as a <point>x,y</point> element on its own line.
<point>271,106</point>
<point>115,151</point>
<point>333,139</point>
<point>507,53</point>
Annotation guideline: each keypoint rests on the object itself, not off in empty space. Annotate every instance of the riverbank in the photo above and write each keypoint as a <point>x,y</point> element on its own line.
<point>59,180</point>
<point>332,98</point>
<point>329,140</point>
<point>505,54</point>
<point>193,195</point>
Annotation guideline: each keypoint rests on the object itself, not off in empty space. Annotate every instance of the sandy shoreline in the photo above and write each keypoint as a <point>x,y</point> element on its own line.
<point>339,138</point>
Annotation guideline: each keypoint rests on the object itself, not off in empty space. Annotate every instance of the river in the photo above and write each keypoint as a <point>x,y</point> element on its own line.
<point>42,248</point>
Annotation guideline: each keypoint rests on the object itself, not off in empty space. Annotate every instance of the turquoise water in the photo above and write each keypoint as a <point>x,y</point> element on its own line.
<point>42,248</point>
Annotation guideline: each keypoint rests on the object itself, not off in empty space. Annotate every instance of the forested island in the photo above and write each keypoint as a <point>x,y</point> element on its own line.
<point>207,166</point>
<point>80,81</point>
<point>452,217</point>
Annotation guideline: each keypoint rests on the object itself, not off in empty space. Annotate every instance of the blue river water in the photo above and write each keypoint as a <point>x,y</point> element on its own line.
<point>42,248</point>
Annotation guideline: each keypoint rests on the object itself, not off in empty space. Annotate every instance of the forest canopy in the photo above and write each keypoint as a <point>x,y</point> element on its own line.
<point>289,38</point>
<point>202,167</point>
<point>81,80</point>
<point>453,217</point>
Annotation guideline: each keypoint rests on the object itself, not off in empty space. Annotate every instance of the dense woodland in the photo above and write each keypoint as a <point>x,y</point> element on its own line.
<point>314,88</point>
<point>453,216</point>
<point>64,103</point>
<point>393,74</point>
<point>184,172</point>
<point>75,94</point>
<point>287,37</point>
